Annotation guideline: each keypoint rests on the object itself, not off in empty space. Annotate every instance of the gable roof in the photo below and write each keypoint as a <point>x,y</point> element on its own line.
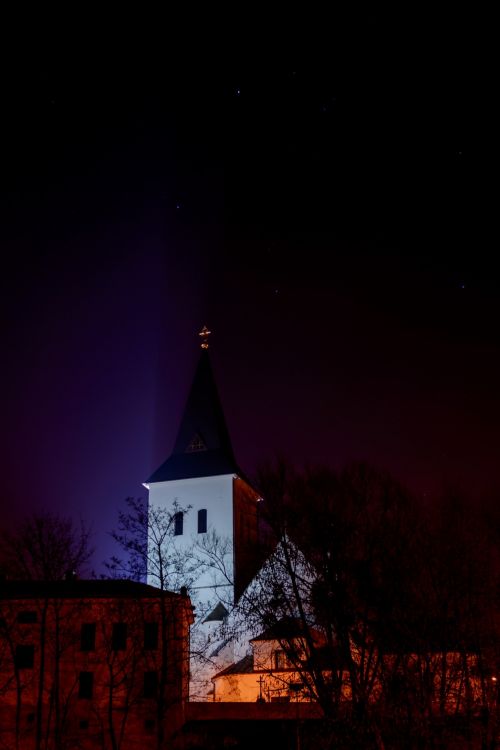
<point>244,666</point>
<point>218,614</point>
<point>284,629</point>
<point>203,446</point>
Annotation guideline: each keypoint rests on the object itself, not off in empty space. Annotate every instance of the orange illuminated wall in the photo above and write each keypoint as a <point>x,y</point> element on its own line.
<point>91,663</point>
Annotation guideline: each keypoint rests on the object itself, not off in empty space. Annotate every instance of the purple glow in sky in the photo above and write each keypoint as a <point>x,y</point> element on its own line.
<point>329,221</point>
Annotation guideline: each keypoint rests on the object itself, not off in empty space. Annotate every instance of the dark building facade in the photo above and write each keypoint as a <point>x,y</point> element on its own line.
<point>92,664</point>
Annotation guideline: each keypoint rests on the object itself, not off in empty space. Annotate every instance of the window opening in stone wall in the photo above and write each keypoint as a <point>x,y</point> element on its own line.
<point>202,521</point>
<point>150,684</point>
<point>86,685</point>
<point>87,636</point>
<point>150,636</point>
<point>26,617</point>
<point>119,639</point>
<point>280,660</point>
<point>179,523</point>
<point>24,657</point>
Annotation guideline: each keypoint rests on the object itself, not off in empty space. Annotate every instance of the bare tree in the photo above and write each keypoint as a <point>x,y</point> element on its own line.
<point>146,536</point>
<point>46,547</point>
<point>201,567</point>
<point>402,603</point>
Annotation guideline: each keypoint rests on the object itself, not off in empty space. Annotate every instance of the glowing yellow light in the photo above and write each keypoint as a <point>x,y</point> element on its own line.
<point>204,333</point>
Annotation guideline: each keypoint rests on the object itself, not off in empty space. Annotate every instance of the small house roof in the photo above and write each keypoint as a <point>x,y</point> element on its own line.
<point>244,666</point>
<point>286,628</point>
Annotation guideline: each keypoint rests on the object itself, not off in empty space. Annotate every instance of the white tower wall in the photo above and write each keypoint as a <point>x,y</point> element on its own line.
<point>215,495</point>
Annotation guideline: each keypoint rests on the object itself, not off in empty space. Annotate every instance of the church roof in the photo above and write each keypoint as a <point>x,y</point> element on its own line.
<point>244,666</point>
<point>218,614</point>
<point>285,629</point>
<point>203,447</point>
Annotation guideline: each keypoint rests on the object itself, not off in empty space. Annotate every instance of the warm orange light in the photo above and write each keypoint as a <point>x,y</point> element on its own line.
<point>204,333</point>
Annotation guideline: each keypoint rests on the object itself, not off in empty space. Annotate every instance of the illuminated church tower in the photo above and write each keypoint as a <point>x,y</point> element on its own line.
<point>202,477</point>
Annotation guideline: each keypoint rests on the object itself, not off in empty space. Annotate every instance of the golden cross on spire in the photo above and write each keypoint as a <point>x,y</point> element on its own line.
<point>204,333</point>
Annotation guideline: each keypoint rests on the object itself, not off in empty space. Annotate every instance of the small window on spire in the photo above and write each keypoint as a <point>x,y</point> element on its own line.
<point>196,445</point>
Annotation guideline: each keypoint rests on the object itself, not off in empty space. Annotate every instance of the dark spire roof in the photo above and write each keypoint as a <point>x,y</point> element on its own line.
<point>203,447</point>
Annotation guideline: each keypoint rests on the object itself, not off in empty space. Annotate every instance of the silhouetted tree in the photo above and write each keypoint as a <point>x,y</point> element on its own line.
<point>45,547</point>
<point>403,600</point>
<point>146,536</point>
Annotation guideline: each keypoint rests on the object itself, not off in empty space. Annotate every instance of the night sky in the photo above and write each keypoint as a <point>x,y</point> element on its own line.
<point>330,217</point>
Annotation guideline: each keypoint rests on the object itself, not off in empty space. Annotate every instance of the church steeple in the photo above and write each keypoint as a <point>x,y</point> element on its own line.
<point>216,502</point>
<point>203,446</point>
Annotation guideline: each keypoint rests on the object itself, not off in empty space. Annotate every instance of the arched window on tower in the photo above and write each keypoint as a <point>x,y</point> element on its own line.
<point>179,523</point>
<point>202,521</point>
